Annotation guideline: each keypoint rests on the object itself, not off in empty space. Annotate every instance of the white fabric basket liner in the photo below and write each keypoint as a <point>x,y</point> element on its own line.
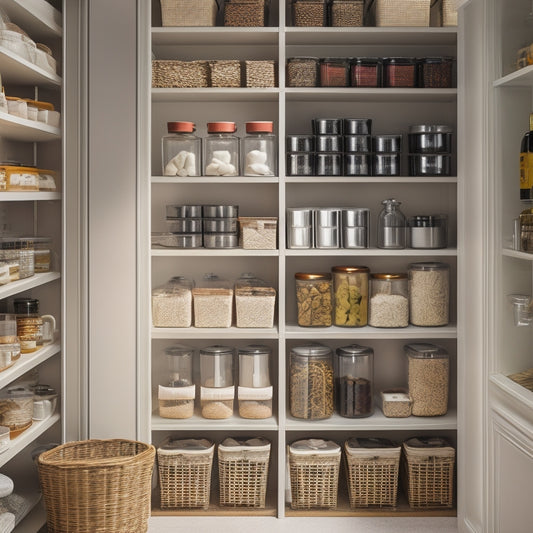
<point>255,393</point>
<point>222,393</point>
<point>255,445</point>
<point>315,447</point>
<point>369,453</point>
<point>177,393</point>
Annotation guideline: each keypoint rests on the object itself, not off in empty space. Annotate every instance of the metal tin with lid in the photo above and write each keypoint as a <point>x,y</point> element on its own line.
<point>300,143</point>
<point>327,227</point>
<point>428,231</point>
<point>430,139</point>
<point>350,288</point>
<point>300,227</point>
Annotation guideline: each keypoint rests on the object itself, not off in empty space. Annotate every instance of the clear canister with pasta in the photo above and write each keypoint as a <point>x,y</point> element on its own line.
<point>350,287</point>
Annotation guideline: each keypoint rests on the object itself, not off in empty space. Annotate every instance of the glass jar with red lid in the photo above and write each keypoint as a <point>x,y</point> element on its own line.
<point>259,149</point>
<point>181,150</point>
<point>221,150</point>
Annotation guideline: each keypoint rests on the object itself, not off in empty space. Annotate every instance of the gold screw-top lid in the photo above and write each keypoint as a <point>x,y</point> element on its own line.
<point>530,121</point>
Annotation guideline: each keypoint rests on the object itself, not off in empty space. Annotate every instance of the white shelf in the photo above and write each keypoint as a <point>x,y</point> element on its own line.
<point>211,252</point>
<point>16,287</point>
<point>26,437</point>
<point>309,180</point>
<point>368,332</point>
<point>523,396</point>
<point>520,78</point>
<point>37,18</point>
<point>214,180</point>
<point>351,94</point>
<point>216,94</point>
<point>197,423</point>
<point>218,36</point>
<point>7,196</point>
<point>26,362</point>
<point>21,129</point>
<point>214,333</point>
<point>372,252</point>
<point>517,254</point>
<point>18,71</point>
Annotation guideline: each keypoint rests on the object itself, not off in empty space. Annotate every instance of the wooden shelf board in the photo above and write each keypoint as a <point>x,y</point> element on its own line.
<point>389,95</point>
<point>21,129</point>
<point>194,252</point>
<point>37,17</point>
<point>25,284</point>
<point>519,78</point>
<point>215,180</point>
<point>517,254</point>
<point>18,71</point>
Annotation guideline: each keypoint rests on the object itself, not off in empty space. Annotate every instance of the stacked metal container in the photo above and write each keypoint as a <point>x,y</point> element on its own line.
<point>221,226</point>
<point>185,224</point>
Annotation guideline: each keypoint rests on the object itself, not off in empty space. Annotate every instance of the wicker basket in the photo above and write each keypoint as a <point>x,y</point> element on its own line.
<point>185,473</point>
<point>402,12</point>
<point>97,486</point>
<point>225,73</point>
<point>260,73</point>
<point>372,467</point>
<point>347,13</point>
<point>243,472</point>
<point>314,474</point>
<point>181,74</point>
<point>449,12</point>
<point>189,12</point>
<point>428,467</point>
<point>244,13</point>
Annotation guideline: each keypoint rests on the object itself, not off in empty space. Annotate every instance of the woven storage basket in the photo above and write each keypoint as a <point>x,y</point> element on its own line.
<point>243,472</point>
<point>189,12</point>
<point>225,73</point>
<point>372,467</point>
<point>181,74</point>
<point>314,474</point>
<point>97,486</point>
<point>402,12</point>
<point>260,73</point>
<point>428,467</point>
<point>449,12</point>
<point>185,473</point>
<point>347,13</point>
<point>244,13</point>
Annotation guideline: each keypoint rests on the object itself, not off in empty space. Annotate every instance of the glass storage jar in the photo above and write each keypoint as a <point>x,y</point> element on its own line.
<point>172,304</point>
<point>255,300</point>
<point>366,72</point>
<point>21,250</point>
<point>213,303</point>
<point>399,72</point>
<point>33,330</point>
<point>314,296</point>
<point>354,379</point>
<point>311,382</point>
<point>176,394</point>
<point>334,72</point>
<point>428,372</point>
<point>16,410</point>
<point>216,376</point>
<point>350,287</point>
<point>181,150</point>
<point>221,150</point>
<point>428,231</point>
<point>392,226</point>
<point>389,302</point>
<point>429,293</point>
<point>259,149</point>
<point>302,71</point>
<point>435,72</point>
<point>255,391</point>
<point>42,254</point>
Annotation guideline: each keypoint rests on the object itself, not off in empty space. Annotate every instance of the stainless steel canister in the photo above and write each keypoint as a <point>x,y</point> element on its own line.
<point>327,227</point>
<point>184,211</point>
<point>300,227</point>
<point>355,227</point>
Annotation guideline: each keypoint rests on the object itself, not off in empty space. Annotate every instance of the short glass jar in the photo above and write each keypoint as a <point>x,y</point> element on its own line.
<point>221,150</point>
<point>314,297</point>
<point>435,72</point>
<point>334,72</point>
<point>33,330</point>
<point>350,286</point>
<point>259,149</point>
<point>181,150</point>
<point>389,301</point>
<point>399,72</point>
<point>366,72</point>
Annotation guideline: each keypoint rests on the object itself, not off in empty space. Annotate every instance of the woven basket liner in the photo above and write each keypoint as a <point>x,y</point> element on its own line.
<point>402,12</point>
<point>372,481</point>
<point>314,481</point>
<point>225,73</point>
<point>449,12</point>
<point>244,13</point>
<point>189,12</point>
<point>243,477</point>
<point>428,481</point>
<point>97,486</point>
<point>260,73</point>
<point>185,480</point>
<point>180,74</point>
<point>344,10</point>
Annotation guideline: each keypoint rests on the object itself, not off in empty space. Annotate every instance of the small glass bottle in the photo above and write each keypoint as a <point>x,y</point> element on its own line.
<point>221,149</point>
<point>181,150</point>
<point>350,286</point>
<point>259,147</point>
<point>354,378</point>
<point>392,226</point>
<point>314,297</point>
<point>216,377</point>
<point>389,302</point>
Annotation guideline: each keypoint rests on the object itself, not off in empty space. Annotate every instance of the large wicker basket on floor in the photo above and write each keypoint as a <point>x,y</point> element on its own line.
<point>97,486</point>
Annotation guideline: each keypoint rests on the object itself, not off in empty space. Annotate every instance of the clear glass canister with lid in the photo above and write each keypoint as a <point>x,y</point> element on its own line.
<point>389,301</point>
<point>350,287</point>
<point>216,376</point>
<point>314,299</point>
<point>33,330</point>
<point>311,382</point>
<point>42,254</point>
<point>176,393</point>
<point>429,293</point>
<point>221,150</point>
<point>213,302</point>
<point>181,150</point>
<point>172,303</point>
<point>392,226</point>
<point>354,378</point>
<point>259,149</point>
<point>21,250</point>
<point>255,301</point>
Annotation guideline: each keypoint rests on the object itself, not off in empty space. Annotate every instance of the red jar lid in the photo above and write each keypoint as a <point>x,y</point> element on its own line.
<point>180,127</point>
<point>259,126</point>
<point>221,127</point>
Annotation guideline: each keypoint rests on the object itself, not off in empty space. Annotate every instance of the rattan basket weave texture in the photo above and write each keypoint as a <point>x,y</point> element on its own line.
<point>189,12</point>
<point>180,74</point>
<point>402,12</point>
<point>449,12</point>
<point>97,486</point>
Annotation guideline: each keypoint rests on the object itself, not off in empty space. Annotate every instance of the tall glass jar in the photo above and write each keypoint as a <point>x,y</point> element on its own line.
<point>350,287</point>
<point>392,226</point>
<point>389,301</point>
<point>216,377</point>
<point>314,296</point>
<point>259,149</point>
<point>176,393</point>
<point>429,293</point>
<point>181,150</point>
<point>221,149</point>
<point>354,378</point>
<point>311,382</point>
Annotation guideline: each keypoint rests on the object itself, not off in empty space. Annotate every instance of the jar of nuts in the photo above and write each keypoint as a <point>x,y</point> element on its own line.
<point>314,296</point>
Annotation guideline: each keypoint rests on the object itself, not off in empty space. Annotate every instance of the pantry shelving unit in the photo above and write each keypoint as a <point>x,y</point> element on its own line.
<point>291,110</point>
<point>33,213</point>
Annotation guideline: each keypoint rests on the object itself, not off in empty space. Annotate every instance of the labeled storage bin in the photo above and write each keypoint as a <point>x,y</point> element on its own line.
<point>247,13</point>
<point>258,233</point>
<point>17,178</point>
<point>428,466</point>
<point>255,391</point>
<point>189,12</point>
<point>309,13</point>
<point>243,472</point>
<point>172,304</point>
<point>314,466</point>
<point>396,403</point>
<point>261,73</point>
<point>372,469</point>
<point>255,301</point>
<point>404,13</point>
<point>314,299</point>
<point>389,300</point>
<point>350,287</point>
<point>185,467</point>
<point>179,74</point>
<point>213,303</point>
<point>347,13</point>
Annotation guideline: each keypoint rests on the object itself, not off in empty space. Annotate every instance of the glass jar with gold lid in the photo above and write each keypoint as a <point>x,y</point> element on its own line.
<point>314,297</point>
<point>389,303</point>
<point>350,288</point>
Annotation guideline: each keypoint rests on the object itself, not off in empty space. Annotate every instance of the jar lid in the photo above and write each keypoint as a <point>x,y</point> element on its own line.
<point>354,350</point>
<point>386,276</point>
<point>423,350</point>
<point>430,128</point>
<point>311,350</point>
<point>255,349</point>
<point>43,391</point>
<point>20,304</point>
<point>400,60</point>
<point>366,60</point>
<point>429,265</point>
<point>370,442</point>
<point>391,202</point>
<point>260,126</point>
<point>221,127</point>
<point>181,127</point>
<point>325,276</point>
<point>443,59</point>
<point>427,221</point>
<point>217,349</point>
<point>179,349</point>
<point>242,443</point>
<point>350,269</point>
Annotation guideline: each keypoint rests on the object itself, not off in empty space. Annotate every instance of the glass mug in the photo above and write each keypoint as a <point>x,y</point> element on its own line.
<point>33,330</point>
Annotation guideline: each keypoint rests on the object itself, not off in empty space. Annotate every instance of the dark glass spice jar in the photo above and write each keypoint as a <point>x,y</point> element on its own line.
<point>334,72</point>
<point>435,72</point>
<point>366,72</point>
<point>399,72</point>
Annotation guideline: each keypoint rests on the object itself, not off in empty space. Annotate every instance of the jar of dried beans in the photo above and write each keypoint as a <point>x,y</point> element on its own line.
<point>311,382</point>
<point>351,295</point>
<point>334,72</point>
<point>314,296</point>
<point>399,72</point>
<point>365,72</point>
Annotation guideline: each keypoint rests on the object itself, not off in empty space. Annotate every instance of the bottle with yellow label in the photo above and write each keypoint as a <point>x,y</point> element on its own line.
<point>526,163</point>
